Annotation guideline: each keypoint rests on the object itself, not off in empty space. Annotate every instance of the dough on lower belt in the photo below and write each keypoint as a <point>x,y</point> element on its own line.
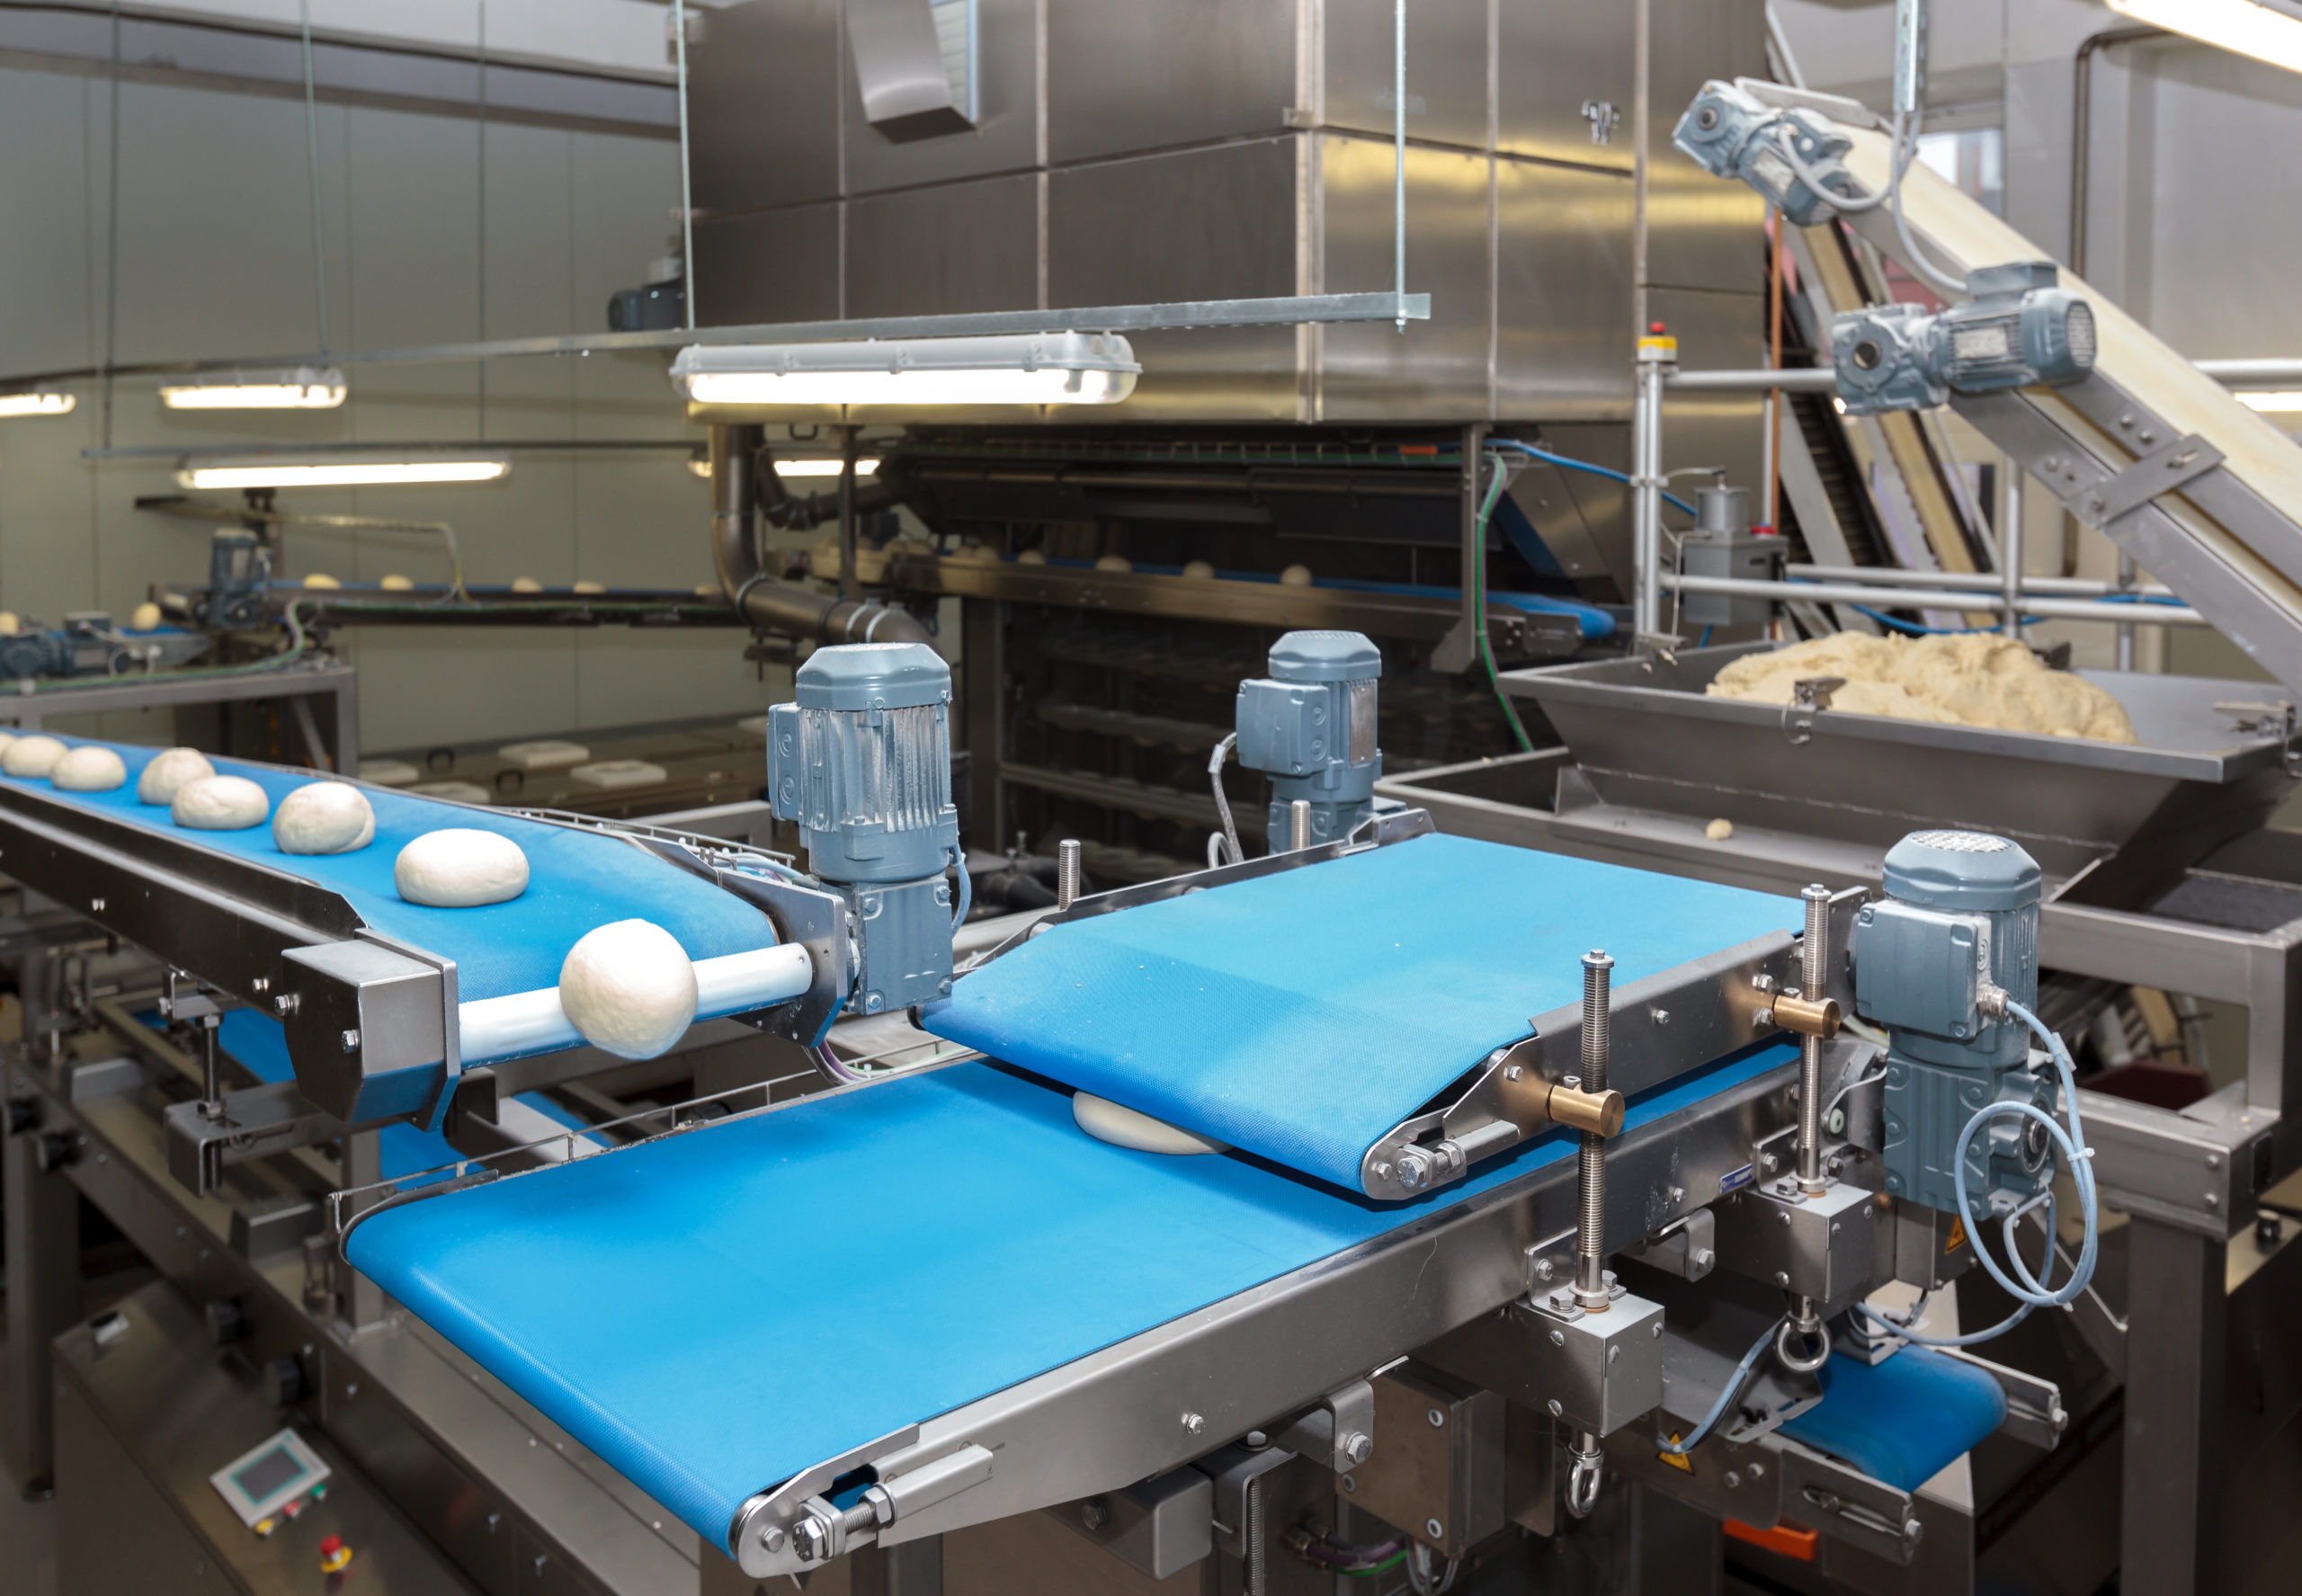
<point>461,868</point>
<point>220,803</point>
<point>1975,679</point>
<point>1124,1127</point>
<point>628,988</point>
<point>169,770</point>
<point>324,817</point>
<point>31,756</point>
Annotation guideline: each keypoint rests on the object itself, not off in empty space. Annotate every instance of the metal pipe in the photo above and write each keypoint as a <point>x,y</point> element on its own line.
<point>1971,580</point>
<point>1591,1153</point>
<point>2126,628</point>
<point>849,585</point>
<point>1298,825</point>
<point>2082,133</point>
<point>2010,549</point>
<point>1813,975</point>
<point>1067,872</point>
<point>1647,490</point>
<point>1398,157</point>
<point>1793,380</point>
<point>1844,592</point>
<point>687,194</point>
<point>2242,373</point>
<point>787,608</point>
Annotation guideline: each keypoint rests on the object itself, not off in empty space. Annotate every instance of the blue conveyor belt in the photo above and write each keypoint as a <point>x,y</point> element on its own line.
<point>1303,1014</point>
<point>1903,1421</point>
<point>713,1312</point>
<point>577,880</point>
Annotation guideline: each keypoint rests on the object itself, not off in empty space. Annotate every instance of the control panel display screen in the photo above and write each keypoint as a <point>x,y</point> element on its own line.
<point>268,1472</point>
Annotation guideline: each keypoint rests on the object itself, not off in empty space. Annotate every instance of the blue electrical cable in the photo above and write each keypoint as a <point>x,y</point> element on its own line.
<point>2077,1161</point>
<point>1680,1449</point>
<point>1914,629</point>
<point>1568,462</point>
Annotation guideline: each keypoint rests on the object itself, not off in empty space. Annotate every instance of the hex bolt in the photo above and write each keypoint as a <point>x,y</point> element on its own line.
<point>1556,1408</point>
<point>1194,1425</point>
<point>1093,1514</point>
<point>771,1537</point>
<point>1358,1447</point>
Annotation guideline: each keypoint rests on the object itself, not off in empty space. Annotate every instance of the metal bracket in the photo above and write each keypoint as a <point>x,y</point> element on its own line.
<point>1687,1247</point>
<point>2161,471</point>
<point>1340,1430</point>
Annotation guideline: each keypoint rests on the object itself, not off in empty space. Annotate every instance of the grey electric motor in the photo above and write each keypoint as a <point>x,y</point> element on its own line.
<point>1310,726</point>
<point>862,761</point>
<point>1962,909</point>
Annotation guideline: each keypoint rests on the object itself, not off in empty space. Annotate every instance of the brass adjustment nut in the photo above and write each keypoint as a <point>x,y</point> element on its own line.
<point>1598,1112</point>
<point>1807,1018</point>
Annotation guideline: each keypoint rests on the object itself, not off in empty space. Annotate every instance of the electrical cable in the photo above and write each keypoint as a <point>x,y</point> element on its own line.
<point>967,890</point>
<point>1223,804</point>
<point>1569,463</point>
<point>1733,1388</point>
<point>1786,146</point>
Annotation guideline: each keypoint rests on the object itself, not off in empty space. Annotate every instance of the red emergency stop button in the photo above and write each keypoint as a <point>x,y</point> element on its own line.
<point>333,1555</point>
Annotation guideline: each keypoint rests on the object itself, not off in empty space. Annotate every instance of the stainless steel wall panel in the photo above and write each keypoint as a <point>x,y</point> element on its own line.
<point>1554,57</point>
<point>938,250</point>
<point>1127,77</point>
<point>1701,233</point>
<point>1446,68</point>
<point>1603,504</point>
<point>1562,265</point>
<point>763,105</point>
<point>1436,371</point>
<point>1006,134</point>
<point>768,266</point>
<point>1204,224</point>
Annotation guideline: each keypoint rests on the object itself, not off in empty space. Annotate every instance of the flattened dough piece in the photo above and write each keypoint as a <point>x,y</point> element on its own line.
<point>31,756</point>
<point>458,867</point>
<point>324,817</point>
<point>169,770</point>
<point>220,803</point>
<point>1122,1127</point>
<point>89,769</point>
<point>628,988</point>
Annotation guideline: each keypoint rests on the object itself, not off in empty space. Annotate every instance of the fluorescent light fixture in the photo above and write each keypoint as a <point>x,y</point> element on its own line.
<point>342,471</point>
<point>1012,368</point>
<point>2238,25</point>
<point>36,402</point>
<point>299,387</point>
<point>2270,402</point>
<point>865,466</point>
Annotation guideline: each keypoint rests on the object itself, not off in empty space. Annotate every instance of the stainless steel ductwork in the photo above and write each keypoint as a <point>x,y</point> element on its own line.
<point>788,607</point>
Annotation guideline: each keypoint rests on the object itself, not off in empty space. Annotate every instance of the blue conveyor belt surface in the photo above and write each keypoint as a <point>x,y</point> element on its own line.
<point>577,880</point>
<point>1902,1421</point>
<point>713,1312</point>
<point>1302,1014</point>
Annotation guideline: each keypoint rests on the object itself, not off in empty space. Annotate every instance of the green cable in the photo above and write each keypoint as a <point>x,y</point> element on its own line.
<point>1385,1566</point>
<point>1478,603</point>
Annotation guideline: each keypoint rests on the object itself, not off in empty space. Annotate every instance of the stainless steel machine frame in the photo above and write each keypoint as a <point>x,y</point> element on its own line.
<point>2187,1181</point>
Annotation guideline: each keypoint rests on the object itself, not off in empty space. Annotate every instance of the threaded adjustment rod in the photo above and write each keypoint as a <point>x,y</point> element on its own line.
<point>1590,1241</point>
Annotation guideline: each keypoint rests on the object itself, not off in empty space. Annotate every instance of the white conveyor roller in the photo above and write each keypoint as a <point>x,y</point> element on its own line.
<point>533,1021</point>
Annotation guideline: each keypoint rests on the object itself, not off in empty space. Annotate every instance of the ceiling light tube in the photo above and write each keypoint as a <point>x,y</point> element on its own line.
<point>36,402</point>
<point>1016,368</point>
<point>865,466</point>
<point>2270,402</point>
<point>348,470</point>
<point>299,387</point>
<point>2237,25</point>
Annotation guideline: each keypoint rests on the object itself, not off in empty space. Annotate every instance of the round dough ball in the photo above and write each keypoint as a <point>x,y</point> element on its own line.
<point>220,803</point>
<point>321,579</point>
<point>976,554</point>
<point>89,769</point>
<point>324,817</point>
<point>628,988</point>
<point>9,625</point>
<point>397,584</point>
<point>31,756</point>
<point>1032,557</point>
<point>1122,1127</point>
<point>7,741</point>
<point>145,618</point>
<point>458,868</point>
<point>169,771</point>
<point>526,584</point>
<point>591,587</point>
<point>1114,562</point>
<point>1199,570</point>
<point>1294,576</point>
<point>1718,831</point>
<point>704,590</point>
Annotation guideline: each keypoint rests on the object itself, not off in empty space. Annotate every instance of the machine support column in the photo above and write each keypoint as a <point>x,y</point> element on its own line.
<point>914,1568</point>
<point>1814,974</point>
<point>2177,1332</point>
<point>1591,1286</point>
<point>40,1209</point>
